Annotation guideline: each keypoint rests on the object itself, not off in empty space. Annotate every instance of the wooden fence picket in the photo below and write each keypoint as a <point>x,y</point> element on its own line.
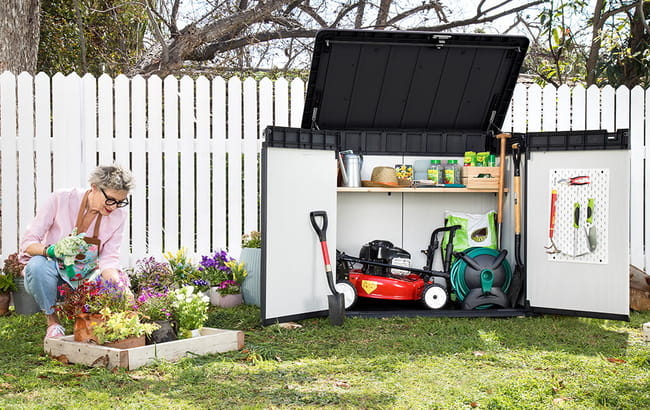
<point>42,112</point>
<point>202,149</point>
<point>234,157</point>
<point>170,164</point>
<point>219,176</point>
<point>25,145</point>
<point>636,176</point>
<point>8,159</point>
<point>152,187</point>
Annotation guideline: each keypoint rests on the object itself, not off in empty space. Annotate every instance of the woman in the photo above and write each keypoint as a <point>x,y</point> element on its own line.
<point>91,221</point>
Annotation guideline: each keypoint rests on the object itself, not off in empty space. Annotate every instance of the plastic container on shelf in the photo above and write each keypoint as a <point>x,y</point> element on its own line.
<point>452,172</point>
<point>434,173</point>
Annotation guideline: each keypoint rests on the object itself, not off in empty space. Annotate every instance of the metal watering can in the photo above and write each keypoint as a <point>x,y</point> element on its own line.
<point>350,164</point>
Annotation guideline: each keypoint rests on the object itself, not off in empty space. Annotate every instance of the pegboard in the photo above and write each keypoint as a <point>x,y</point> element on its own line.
<point>573,243</point>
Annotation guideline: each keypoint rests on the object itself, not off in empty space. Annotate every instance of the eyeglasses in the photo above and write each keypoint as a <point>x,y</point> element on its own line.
<point>112,201</point>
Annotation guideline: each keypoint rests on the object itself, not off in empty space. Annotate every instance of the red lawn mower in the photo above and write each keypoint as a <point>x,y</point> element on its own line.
<point>386,273</point>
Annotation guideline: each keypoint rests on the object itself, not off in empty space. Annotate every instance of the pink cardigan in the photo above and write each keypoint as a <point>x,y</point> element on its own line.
<point>57,217</point>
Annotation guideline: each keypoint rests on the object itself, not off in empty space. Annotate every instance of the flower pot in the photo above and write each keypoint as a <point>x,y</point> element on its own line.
<point>213,294</point>
<point>252,258</point>
<point>128,343</point>
<point>228,301</point>
<point>23,301</point>
<point>5,298</point>
<point>83,327</point>
<point>166,333</point>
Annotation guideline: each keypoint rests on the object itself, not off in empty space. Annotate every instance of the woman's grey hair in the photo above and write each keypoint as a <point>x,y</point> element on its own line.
<point>112,177</point>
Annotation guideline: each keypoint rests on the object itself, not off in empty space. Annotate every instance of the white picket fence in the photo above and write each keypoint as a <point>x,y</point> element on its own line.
<point>194,145</point>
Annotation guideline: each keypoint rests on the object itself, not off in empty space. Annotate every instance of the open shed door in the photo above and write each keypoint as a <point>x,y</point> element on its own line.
<point>295,181</point>
<point>589,277</point>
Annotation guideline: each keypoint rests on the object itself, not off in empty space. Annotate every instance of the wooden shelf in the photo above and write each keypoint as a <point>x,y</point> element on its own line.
<point>418,190</point>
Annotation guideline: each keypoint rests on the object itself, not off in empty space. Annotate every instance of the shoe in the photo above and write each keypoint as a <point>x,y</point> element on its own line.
<point>55,330</point>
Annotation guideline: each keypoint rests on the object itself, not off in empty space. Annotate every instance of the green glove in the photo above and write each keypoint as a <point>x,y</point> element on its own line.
<point>67,248</point>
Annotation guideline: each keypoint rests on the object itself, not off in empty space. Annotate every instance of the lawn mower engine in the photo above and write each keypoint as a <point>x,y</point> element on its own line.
<point>384,252</point>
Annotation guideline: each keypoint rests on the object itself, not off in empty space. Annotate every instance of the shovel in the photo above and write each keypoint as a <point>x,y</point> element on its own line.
<point>335,301</point>
<point>590,229</point>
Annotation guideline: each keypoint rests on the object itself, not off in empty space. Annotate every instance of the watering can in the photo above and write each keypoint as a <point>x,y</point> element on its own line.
<point>350,164</point>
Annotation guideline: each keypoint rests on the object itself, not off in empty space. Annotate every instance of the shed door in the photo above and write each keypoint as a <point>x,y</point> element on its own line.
<point>588,278</point>
<point>294,183</point>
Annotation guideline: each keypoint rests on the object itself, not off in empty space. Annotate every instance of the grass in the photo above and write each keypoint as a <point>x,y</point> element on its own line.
<point>538,362</point>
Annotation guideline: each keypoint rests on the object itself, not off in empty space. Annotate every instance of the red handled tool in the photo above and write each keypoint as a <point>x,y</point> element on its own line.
<point>551,229</point>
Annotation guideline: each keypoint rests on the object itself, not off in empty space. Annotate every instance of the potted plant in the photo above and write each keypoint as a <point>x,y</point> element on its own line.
<point>149,273</point>
<point>184,272</point>
<point>7,285</point>
<point>230,290</point>
<point>24,303</point>
<point>190,309</point>
<point>156,307</point>
<point>122,330</point>
<point>251,256</point>
<point>85,304</point>
<point>215,270</point>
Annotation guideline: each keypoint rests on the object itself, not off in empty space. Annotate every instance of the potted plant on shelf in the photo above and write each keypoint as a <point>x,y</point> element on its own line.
<point>156,307</point>
<point>24,303</point>
<point>190,309</point>
<point>230,289</point>
<point>215,270</point>
<point>251,256</point>
<point>7,285</point>
<point>85,304</point>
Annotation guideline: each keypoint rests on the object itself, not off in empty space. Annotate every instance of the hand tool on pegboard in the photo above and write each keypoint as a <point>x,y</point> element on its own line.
<point>551,248</point>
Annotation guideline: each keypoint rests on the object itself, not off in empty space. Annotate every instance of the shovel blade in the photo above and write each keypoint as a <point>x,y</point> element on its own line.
<point>336,304</point>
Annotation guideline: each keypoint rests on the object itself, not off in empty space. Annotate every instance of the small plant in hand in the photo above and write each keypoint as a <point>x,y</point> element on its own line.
<point>148,273</point>
<point>155,305</point>
<point>215,268</point>
<point>252,240</point>
<point>120,326</point>
<point>91,297</point>
<point>183,270</point>
<point>189,309</point>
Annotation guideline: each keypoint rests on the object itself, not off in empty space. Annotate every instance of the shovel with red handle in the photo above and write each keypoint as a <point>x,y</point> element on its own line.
<point>335,301</point>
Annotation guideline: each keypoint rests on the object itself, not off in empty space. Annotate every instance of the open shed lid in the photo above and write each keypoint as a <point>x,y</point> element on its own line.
<point>362,79</point>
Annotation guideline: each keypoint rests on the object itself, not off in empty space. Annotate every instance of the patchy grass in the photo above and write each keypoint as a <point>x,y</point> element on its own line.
<point>540,362</point>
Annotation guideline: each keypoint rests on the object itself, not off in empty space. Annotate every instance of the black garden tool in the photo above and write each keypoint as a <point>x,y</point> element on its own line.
<point>518,275</point>
<point>590,229</point>
<point>335,301</point>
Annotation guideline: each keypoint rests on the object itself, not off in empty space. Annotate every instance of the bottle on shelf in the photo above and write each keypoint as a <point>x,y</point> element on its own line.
<point>434,172</point>
<point>452,172</point>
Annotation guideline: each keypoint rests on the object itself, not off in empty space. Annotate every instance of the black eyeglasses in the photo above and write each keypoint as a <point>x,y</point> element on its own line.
<point>112,201</point>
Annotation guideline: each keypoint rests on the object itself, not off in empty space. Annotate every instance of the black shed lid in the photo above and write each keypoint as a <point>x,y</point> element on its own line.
<point>362,79</point>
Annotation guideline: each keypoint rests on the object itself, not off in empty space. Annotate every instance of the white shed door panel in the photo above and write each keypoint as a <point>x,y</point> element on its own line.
<point>297,181</point>
<point>576,285</point>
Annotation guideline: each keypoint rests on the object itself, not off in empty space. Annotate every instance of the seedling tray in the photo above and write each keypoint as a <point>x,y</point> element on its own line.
<point>211,340</point>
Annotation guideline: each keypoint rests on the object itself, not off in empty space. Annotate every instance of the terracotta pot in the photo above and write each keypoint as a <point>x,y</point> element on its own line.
<point>5,298</point>
<point>83,327</point>
<point>167,332</point>
<point>127,343</point>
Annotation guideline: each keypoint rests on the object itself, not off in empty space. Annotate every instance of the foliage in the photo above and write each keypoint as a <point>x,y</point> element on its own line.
<point>92,296</point>
<point>113,33</point>
<point>121,325</point>
<point>155,305</point>
<point>252,240</point>
<point>190,309</point>
<point>237,271</point>
<point>150,274</point>
<point>183,270</point>
<point>214,268</point>
<point>7,284</point>
<point>12,266</point>
<point>229,287</point>
<point>538,362</point>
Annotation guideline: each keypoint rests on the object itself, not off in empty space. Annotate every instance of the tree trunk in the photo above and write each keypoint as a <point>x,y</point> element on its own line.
<point>382,14</point>
<point>19,35</point>
<point>592,60</point>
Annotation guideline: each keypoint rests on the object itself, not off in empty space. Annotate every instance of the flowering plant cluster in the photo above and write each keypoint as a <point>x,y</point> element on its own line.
<point>252,240</point>
<point>215,268</point>
<point>190,309</point>
<point>229,287</point>
<point>92,296</point>
<point>121,325</point>
<point>155,305</point>
<point>148,273</point>
<point>183,270</point>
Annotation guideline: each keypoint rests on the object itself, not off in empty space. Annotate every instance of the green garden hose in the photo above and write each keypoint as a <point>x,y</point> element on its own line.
<point>457,273</point>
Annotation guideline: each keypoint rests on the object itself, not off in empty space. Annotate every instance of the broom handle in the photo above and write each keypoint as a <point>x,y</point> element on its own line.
<point>502,171</point>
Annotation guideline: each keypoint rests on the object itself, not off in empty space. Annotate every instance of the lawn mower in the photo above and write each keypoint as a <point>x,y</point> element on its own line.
<point>386,273</point>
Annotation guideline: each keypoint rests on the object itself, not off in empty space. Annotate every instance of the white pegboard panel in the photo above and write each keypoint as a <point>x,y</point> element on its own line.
<point>573,243</point>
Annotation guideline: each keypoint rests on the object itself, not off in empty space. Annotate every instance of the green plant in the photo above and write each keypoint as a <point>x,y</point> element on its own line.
<point>252,240</point>
<point>150,274</point>
<point>189,309</point>
<point>154,305</point>
<point>121,325</point>
<point>7,284</point>
<point>183,270</point>
<point>214,268</point>
<point>91,297</point>
<point>12,266</point>
<point>229,287</point>
<point>237,271</point>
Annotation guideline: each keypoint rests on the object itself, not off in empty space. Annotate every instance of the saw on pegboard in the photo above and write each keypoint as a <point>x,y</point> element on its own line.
<point>578,222</point>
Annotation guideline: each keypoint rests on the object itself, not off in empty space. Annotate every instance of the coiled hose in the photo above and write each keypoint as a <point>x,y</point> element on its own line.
<point>457,273</point>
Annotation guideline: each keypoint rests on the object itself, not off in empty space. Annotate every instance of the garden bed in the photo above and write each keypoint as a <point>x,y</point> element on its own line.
<point>211,340</point>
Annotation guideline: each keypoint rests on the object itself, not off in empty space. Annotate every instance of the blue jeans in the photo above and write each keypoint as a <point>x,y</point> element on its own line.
<point>42,280</point>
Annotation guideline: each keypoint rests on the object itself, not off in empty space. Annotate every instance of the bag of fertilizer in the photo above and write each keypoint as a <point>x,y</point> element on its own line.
<point>476,230</point>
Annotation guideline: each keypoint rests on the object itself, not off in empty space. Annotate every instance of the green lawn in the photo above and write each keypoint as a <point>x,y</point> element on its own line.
<point>539,362</point>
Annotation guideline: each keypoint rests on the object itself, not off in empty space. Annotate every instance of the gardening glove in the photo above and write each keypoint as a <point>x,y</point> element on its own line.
<point>68,248</point>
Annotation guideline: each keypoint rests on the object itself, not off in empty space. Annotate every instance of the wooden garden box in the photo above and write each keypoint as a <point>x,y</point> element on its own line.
<point>210,340</point>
